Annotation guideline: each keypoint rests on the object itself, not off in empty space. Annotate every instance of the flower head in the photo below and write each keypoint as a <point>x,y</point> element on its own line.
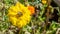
<point>32,9</point>
<point>19,15</point>
<point>44,1</point>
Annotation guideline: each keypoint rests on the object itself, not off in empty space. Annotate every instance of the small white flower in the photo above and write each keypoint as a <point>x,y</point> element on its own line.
<point>27,32</point>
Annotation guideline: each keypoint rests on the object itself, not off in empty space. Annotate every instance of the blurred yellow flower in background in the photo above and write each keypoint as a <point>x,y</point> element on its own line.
<point>19,15</point>
<point>44,1</point>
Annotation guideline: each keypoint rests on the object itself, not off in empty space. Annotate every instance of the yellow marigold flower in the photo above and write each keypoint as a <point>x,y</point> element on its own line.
<point>19,15</point>
<point>44,1</point>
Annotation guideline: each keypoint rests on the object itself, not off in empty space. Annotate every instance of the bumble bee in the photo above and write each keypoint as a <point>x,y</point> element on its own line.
<point>19,14</point>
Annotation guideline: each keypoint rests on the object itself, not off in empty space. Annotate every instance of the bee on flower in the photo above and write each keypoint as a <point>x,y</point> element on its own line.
<point>19,15</point>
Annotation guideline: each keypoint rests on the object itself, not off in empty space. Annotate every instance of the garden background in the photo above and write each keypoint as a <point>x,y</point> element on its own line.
<point>29,17</point>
